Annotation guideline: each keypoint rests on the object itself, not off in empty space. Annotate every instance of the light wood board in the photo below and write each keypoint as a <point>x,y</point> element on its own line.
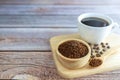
<point>112,63</point>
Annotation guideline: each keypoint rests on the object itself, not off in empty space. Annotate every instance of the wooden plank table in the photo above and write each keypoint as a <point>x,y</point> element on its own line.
<point>27,25</point>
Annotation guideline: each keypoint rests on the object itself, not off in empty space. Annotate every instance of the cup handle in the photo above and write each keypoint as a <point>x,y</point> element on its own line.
<point>115,24</point>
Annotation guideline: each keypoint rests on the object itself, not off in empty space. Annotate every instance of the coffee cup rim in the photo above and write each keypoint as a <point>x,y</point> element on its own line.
<point>97,15</point>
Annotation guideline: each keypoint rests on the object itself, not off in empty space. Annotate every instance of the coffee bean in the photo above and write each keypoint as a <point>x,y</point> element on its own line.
<point>108,47</point>
<point>94,47</point>
<point>96,51</point>
<point>98,55</point>
<point>101,52</point>
<point>90,44</point>
<point>92,56</point>
<point>104,50</point>
<point>106,43</point>
<point>97,48</point>
<point>102,43</point>
<point>95,44</point>
<point>103,46</point>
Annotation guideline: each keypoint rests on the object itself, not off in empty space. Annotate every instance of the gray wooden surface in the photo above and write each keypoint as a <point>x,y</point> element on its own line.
<point>27,25</point>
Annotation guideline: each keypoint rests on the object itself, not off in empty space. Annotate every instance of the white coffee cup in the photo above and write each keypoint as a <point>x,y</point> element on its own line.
<point>93,34</point>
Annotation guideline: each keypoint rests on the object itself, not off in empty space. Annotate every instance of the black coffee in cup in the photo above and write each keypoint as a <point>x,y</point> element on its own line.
<point>95,22</point>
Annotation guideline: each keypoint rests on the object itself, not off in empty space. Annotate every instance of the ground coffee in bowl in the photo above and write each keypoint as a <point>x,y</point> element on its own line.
<point>73,53</point>
<point>73,49</point>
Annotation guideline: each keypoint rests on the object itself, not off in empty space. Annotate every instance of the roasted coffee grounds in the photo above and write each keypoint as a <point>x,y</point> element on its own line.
<point>73,49</point>
<point>95,62</point>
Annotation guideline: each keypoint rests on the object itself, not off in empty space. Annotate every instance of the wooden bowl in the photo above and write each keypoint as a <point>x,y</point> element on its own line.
<point>73,63</point>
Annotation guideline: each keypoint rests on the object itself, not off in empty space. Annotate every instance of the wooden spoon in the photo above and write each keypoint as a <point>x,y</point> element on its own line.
<point>97,61</point>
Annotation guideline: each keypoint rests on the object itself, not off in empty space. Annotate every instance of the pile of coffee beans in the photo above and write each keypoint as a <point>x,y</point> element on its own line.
<point>73,49</point>
<point>96,51</point>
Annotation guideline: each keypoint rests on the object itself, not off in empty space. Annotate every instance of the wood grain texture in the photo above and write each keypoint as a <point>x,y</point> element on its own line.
<point>62,2</point>
<point>29,38</point>
<point>37,21</point>
<point>27,25</point>
<point>39,64</point>
<point>57,9</point>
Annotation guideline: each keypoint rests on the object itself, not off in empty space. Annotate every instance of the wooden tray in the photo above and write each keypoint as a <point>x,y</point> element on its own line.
<point>112,62</point>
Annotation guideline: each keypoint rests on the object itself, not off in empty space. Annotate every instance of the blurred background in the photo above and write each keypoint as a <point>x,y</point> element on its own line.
<point>22,20</point>
<point>53,13</point>
<point>26,27</point>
